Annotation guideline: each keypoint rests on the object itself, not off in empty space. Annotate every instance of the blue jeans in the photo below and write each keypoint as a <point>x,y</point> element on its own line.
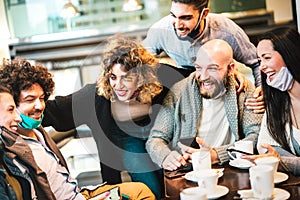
<point>140,166</point>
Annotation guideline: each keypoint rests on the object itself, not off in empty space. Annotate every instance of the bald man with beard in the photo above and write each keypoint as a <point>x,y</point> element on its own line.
<point>204,106</point>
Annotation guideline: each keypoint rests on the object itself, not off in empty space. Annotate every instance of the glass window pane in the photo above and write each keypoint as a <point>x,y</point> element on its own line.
<point>28,18</point>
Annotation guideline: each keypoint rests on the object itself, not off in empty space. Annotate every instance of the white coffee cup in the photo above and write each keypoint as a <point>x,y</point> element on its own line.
<point>242,145</point>
<point>193,193</point>
<point>201,159</point>
<point>269,161</point>
<point>262,181</point>
<point>208,180</point>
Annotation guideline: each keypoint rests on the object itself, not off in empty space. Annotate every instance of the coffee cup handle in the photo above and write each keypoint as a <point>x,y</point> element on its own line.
<point>231,154</point>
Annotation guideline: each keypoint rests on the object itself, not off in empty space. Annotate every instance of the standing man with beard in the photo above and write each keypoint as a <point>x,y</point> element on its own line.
<point>204,105</point>
<point>188,27</point>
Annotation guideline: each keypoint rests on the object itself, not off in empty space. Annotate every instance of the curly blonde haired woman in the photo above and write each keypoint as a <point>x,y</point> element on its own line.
<point>120,110</point>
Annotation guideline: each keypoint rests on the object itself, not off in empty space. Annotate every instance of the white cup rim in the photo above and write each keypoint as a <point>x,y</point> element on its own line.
<point>265,160</point>
<point>263,167</point>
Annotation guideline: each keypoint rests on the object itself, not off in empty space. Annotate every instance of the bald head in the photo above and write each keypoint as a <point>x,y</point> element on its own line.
<point>217,50</point>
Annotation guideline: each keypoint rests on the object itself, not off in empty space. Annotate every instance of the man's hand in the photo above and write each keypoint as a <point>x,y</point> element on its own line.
<point>271,151</point>
<point>241,82</point>
<point>173,161</point>
<point>187,151</point>
<point>213,154</point>
<point>257,102</point>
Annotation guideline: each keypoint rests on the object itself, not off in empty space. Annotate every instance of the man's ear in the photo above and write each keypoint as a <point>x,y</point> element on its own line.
<point>205,12</point>
<point>231,68</point>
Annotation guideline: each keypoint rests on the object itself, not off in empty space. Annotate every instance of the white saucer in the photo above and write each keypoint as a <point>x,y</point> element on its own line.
<point>221,191</point>
<point>280,177</point>
<point>193,175</point>
<point>241,163</point>
<point>278,194</point>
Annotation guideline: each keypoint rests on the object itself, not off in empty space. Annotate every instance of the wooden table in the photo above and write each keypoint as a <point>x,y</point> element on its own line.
<point>235,179</point>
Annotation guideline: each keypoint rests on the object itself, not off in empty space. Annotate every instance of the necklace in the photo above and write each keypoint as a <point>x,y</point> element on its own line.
<point>294,117</point>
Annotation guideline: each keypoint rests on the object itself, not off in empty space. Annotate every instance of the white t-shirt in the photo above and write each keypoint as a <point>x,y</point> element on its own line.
<point>213,125</point>
<point>265,138</point>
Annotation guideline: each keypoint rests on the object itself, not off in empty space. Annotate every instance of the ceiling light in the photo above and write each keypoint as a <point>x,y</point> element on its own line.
<point>132,5</point>
<point>69,10</point>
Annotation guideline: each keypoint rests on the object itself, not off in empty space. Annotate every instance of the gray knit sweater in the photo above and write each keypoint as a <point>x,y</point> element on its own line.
<point>179,115</point>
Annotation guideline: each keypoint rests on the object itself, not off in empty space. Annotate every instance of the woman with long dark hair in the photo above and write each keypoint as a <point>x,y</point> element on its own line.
<point>279,54</point>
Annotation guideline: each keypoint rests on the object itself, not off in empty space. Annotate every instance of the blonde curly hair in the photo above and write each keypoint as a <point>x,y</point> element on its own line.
<point>133,57</point>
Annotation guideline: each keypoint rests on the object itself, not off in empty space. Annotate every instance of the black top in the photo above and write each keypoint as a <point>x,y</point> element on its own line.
<point>87,107</point>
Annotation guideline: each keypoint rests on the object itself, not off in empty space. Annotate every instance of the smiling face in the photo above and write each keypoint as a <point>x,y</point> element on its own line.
<point>9,118</point>
<point>271,60</point>
<point>213,66</point>
<point>211,77</point>
<point>185,18</point>
<point>123,83</point>
<point>32,102</point>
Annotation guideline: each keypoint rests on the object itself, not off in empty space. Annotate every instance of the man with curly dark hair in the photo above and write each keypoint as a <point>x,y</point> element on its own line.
<point>33,150</point>
<point>23,75</point>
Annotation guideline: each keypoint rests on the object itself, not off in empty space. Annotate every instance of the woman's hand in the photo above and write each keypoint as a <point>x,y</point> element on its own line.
<point>271,151</point>
<point>257,102</point>
<point>126,111</point>
<point>100,196</point>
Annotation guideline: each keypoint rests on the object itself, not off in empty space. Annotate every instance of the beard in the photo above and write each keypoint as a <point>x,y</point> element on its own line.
<point>182,37</point>
<point>191,33</point>
<point>216,92</point>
